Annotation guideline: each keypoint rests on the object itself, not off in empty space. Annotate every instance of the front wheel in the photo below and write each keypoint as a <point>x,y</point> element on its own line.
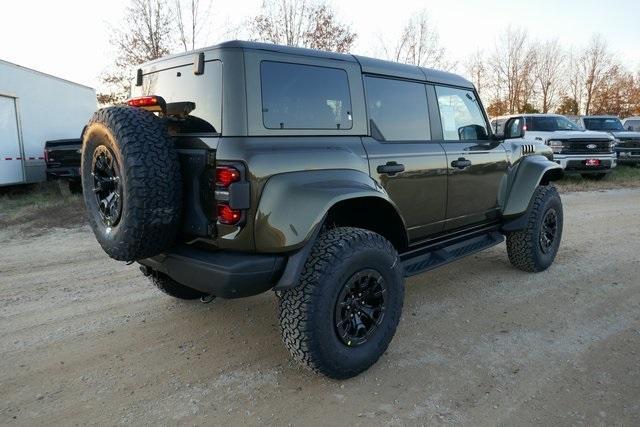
<point>534,248</point>
<point>342,316</point>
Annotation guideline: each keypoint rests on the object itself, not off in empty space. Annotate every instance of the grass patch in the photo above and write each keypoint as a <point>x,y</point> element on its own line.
<point>620,177</point>
<point>40,205</point>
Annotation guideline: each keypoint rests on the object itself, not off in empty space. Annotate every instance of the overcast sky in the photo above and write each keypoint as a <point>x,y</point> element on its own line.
<point>70,39</point>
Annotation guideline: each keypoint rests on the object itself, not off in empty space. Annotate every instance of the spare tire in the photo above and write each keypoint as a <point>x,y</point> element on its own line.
<point>131,182</point>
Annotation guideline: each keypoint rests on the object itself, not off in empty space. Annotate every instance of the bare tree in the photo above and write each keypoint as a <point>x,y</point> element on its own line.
<point>301,23</point>
<point>574,81</point>
<point>197,16</point>
<point>512,63</point>
<point>476,68</point>
<point>548,73</point>
<point>595,63</point>
<point>419,44</point>
<point>146,34</point>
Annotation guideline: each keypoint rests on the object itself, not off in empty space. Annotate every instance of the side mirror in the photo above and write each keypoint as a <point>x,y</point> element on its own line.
<point>472,132</point>
<point>514,128</point>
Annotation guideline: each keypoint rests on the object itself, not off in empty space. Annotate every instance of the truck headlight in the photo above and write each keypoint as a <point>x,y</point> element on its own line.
<point>555,145</point>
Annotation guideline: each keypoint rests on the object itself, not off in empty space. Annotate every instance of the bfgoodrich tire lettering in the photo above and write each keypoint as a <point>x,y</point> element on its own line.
<point>149,182</point>
<point>307,312</point>
<point>532,249</point>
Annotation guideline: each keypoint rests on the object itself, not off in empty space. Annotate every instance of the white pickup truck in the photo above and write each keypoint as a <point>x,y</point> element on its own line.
<point>589,153</point>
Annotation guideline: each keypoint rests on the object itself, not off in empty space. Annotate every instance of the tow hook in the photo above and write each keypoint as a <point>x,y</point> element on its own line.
<point>207,299</point>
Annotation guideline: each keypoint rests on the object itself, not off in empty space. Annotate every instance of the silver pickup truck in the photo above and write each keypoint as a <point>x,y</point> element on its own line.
<point>577,150</point>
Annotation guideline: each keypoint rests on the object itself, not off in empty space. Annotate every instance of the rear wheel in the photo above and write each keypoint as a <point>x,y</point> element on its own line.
<point>170,287</point>
<point>343,315</point>
<point>534,248</point>
<point>594,176</point>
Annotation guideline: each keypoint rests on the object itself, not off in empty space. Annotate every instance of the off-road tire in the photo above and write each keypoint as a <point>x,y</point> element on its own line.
<point>524,246</point>
<point>150,182</point>
<point>306,312</point>
<point>170,287</point>
<point>594,176</point>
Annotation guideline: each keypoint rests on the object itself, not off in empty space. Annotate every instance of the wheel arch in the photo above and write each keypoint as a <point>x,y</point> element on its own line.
<point>293,207</point>
<point>531,172</point>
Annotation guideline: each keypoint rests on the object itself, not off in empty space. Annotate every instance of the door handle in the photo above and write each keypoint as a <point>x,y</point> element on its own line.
<point>391,168</point>
<point>461,163</point>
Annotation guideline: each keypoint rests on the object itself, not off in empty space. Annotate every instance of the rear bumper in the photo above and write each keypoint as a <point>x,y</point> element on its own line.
<point>63,172</point>
<point>576,162</point>
<point>220,273</point>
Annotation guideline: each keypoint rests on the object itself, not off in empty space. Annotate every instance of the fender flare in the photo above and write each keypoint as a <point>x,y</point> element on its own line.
<point>529,174</point>
<point>293,205</point>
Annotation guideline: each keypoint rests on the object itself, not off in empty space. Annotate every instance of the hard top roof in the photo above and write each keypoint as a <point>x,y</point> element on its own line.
<point>368,65</point>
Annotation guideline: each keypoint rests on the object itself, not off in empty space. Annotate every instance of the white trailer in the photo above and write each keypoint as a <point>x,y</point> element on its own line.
<point>36,107</point>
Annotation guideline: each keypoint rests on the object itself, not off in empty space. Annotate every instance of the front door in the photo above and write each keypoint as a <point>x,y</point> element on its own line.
<point>11,171</point>
<point>476,164</point>
<point>402,157</point>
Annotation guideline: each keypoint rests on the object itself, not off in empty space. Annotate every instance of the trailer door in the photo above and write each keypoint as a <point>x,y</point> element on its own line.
<point>11,171</point>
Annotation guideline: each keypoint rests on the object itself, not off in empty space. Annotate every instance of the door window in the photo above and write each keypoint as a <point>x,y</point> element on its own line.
<point>398,109</point>
<point>460,114</point>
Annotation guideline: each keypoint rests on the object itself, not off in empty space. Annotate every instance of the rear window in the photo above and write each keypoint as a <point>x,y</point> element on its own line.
<point>296,96</point>
<point>182,85</point>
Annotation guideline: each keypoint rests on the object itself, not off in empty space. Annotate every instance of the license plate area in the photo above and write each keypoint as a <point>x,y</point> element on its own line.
<point>592,162</point>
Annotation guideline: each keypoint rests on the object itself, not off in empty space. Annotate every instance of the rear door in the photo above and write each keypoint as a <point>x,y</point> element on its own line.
<point>402,156</point>
<point>476,164</point>
<point>11,170</point>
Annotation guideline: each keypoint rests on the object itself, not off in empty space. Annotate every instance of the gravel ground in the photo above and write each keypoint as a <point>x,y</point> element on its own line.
<point>87,340</point>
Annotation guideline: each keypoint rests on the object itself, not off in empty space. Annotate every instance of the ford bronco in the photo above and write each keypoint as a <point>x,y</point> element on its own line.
<point>326,177</point>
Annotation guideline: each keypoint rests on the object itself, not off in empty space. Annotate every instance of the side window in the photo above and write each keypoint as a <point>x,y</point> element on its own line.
<point>296,96</point>
<point>398,109</point>
<point>460,114</point>
<point>498,126</point>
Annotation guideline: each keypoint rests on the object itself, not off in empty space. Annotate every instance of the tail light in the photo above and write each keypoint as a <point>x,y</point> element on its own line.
<point>226,175</point>
<point>232,193</point>
<point>46,156</point>
<point>226,215</point>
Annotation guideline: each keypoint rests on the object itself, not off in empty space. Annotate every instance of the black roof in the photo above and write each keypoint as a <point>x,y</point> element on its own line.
<point>368,65</point>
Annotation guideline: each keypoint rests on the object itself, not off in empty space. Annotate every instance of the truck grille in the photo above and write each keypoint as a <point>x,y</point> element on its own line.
<point>581,146</point>
<point>629,143</point>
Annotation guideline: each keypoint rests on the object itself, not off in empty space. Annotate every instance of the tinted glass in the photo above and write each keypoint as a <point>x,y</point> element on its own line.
<point>298,96</point>
<point>498,126</point>
<point>461,116</point>
<point>604,123</point>
<point>550,124</point>
<point>398,109</point>
<point>633,125</point>
<point>181,85</point>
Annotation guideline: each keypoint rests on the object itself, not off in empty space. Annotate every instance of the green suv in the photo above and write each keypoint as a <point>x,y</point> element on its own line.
<point>327,178</point>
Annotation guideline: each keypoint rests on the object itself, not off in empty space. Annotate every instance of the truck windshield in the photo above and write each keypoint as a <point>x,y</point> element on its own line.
<point>550,124</point>
<point>603,123</point>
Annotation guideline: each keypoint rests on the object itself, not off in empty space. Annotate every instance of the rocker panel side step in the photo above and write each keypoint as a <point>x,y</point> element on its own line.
<point>447,252</point>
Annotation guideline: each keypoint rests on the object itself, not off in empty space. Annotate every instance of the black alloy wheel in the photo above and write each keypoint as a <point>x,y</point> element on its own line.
<point>360,307</point>
<point>106,185</point>
<point>548,230</point>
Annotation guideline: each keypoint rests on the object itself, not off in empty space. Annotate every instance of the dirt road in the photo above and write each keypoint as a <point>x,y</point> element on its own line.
<point>86,340</point>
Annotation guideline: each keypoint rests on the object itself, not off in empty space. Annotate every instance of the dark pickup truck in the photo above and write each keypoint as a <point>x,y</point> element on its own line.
<point>62,157</point>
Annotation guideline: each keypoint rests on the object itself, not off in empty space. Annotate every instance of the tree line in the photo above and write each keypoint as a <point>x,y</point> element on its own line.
<point>519,75</point>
